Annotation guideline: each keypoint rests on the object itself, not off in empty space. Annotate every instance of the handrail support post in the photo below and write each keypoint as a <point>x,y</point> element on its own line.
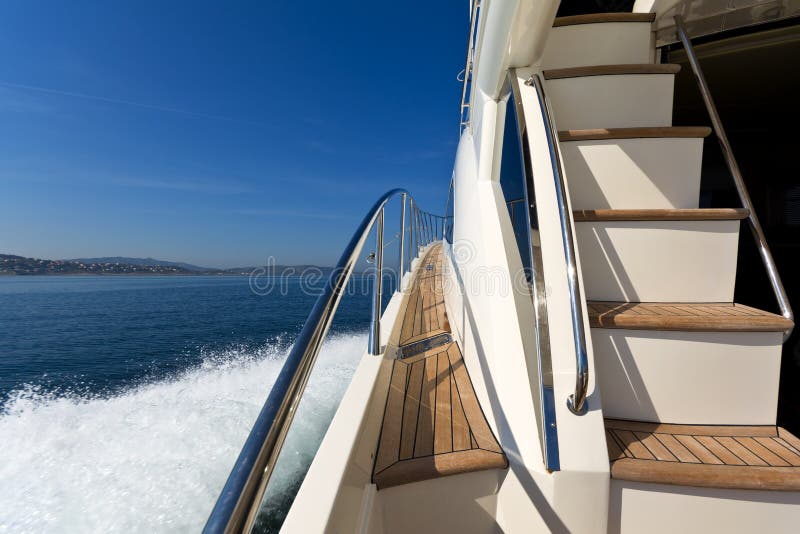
<point>402,257</point>
<point>377,290</point>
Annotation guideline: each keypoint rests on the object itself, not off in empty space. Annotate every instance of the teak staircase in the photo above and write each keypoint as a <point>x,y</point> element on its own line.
<point>688,378</point>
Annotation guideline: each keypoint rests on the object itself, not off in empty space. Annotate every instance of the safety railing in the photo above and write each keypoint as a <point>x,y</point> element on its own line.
<point>447,231</point>
<point>466,89</point>
<point>529,243</point>
<point>239,502</point>
<point>432,226</point>
<point>738,180</point>
<point>577,400</point>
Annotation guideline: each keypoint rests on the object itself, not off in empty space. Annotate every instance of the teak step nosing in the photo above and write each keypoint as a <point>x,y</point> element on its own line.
<point>598,134</point>
<point>439,465</point>
<point>707,214</point>
<point>684,317</point>
<point>599,18</point>
<point>612,70</point>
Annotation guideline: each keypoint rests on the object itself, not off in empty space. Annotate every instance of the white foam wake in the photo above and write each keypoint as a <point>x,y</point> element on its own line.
<point>152,459</point>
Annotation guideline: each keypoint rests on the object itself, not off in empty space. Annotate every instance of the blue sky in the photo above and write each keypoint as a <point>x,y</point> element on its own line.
<point>220,133</point>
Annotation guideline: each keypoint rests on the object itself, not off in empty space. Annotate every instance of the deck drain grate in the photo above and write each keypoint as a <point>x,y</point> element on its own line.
<point>419,347</point>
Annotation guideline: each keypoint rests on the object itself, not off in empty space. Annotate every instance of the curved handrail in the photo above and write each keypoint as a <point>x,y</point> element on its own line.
<point>738,180</point>
<point>547,424</point>
<point>238,503</point>
<point>466,88</point>
<point>577,401</point>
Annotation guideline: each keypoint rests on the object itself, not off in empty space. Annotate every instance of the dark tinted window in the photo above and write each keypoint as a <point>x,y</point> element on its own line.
<point>512,182</point>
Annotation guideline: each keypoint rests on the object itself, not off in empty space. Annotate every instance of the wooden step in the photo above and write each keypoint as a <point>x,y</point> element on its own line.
<point>730,457</point>
<point>611,70</point>
<point>599,18</point>
<point>687,317</point>
<point>634,133</point>
<point>708,214</point>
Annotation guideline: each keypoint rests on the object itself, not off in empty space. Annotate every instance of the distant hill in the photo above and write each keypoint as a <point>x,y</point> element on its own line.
<point>20,265</point>
<point>147,262</point>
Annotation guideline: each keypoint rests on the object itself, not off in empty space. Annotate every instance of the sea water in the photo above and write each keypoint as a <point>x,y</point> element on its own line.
<point>124,401</point>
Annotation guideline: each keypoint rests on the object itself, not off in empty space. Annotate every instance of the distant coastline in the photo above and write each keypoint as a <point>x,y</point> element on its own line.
<point>11,265</point>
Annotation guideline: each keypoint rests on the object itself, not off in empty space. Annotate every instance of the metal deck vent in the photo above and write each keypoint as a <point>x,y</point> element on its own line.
<point>422,346</point>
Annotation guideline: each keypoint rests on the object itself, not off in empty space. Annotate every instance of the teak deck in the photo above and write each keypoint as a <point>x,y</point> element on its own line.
<point>433,424</point>
<point>424,315</point>
<point>730,457</point>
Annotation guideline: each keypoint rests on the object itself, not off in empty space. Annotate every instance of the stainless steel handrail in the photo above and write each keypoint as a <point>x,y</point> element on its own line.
<point>466,88</point>
<point>577,401</point>
<point>377,289</point>
<point>402,257</point>
<point>738,180</point>
<point>545,403</point>
<point>430,225</point>
<point>238,504</point>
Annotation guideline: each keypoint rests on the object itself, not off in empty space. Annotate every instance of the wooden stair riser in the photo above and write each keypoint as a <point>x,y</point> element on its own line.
<point>714,378</point>
<point>589,44</point>
<point>612,101</point>
<point>659,261</point>
<point>637,507</point>
<point>654,173</point>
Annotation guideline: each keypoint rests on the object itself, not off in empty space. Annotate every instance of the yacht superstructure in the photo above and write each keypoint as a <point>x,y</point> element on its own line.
<point>564,351</point>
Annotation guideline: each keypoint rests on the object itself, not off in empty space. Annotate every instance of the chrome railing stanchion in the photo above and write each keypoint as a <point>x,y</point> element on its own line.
<point>413,233</point>
<point>418,232</point>
<point>401,258</point>
<point>377,290</point>
<point>420,229</point>
<point>738,180</point>
<point>427,229</point>
<point>412,243</point>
